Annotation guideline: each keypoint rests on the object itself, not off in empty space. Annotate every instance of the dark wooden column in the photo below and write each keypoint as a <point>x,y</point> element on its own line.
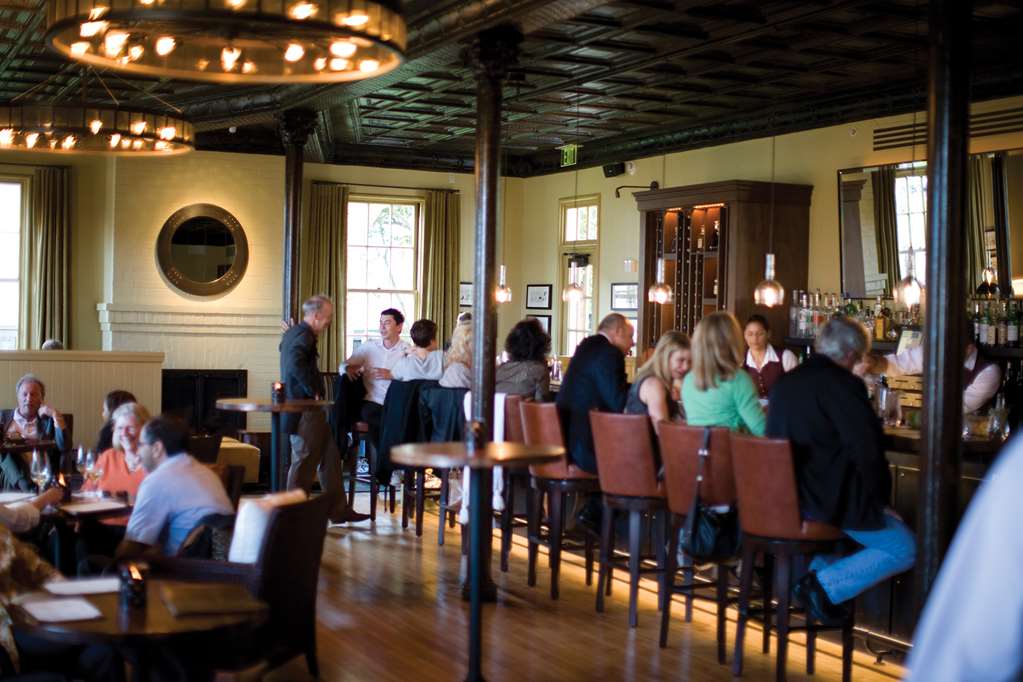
<point>296,125</point>
<point>948,130</point>
<point>489,56</point>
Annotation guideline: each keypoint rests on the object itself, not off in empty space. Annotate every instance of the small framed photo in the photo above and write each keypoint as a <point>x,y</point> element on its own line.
<point>538,297</point>
<point>544,320</point>
<point>465,294</point>
<point>624,296</point>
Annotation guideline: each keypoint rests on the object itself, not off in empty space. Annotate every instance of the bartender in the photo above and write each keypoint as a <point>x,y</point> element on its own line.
<point>980,383</point>
<point>764,363</point>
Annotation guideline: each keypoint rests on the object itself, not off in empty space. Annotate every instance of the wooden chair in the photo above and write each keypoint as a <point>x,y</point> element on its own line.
<point>680,449</point>
<point>542,426</point>
<point>513,478</point>
<point>627,467</point>
<point>284,575</point>
<point>765,482</point>
<point>205,448</point>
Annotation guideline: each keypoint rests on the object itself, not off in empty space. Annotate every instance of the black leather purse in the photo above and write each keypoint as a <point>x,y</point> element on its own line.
<point>710,535</point>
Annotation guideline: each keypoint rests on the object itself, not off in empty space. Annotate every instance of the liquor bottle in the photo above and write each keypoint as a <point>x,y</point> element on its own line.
<point>1003,327</point>
<point>976,322</point>
<point>715,287</point>
<point>699,240</point>
<point>715,235</point>
<point>805,324</point>
<point>880,325</point>
<point>982,327</point>
<point>794,313</point>
<point>1012,324</point>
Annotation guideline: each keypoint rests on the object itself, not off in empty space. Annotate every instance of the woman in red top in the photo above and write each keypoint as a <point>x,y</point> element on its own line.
<point>121,465</point>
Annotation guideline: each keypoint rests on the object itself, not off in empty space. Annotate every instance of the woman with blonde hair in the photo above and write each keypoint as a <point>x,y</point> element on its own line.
<point>718,392</point>
<point>653,392</point>
<point>458,361</point>
<point>121,465</point>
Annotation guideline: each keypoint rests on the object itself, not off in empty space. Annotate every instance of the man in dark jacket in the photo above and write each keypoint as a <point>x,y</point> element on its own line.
<point>312,446</point>
<point>32,420</point>
<point>841,470</point>
<point>595,380</point>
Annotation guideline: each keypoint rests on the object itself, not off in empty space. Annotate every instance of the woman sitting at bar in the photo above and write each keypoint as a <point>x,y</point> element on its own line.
<point>525,373</point>
<point>458,362</point>
<point>717,392</point>
<point>113,400</point>
<point>764,364</point>
<point>653,392</point>
<point>121,465</point>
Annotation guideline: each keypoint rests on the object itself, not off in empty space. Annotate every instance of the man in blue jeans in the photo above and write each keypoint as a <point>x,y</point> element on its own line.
<point>842,475</point>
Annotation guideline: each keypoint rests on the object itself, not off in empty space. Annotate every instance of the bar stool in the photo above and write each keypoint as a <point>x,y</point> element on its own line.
<point>361,445</point>
<point>628,478</point>
<point>771,524</point>
<point>542,426</point>
<point>681,447</point>
<point>513,478</point>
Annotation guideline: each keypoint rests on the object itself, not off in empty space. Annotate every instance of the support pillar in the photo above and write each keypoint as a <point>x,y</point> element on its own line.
<point>948,132</point>
<point>295,125</point>
<point>489,56</point>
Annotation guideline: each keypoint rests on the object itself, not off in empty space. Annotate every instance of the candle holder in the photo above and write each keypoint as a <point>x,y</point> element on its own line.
<point>277,392</point>
<point>133,585</point>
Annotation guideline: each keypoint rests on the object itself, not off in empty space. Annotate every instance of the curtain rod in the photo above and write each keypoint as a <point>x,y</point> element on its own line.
<point>363,184</point>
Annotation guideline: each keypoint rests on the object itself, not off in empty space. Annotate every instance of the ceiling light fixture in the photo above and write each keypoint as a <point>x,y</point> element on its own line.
<point>770,292</point>
<point>105,129</point>
<point>252,42</point>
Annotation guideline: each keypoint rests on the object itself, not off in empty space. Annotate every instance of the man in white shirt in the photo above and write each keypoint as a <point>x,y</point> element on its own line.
<point>177,493</point>
<point>982,381</point>
<point>373,361</point>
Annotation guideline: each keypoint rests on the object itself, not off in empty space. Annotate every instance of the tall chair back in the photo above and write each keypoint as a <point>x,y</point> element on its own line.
<point>513,419</point>
<point>626,461</point>
<point>205,448</point>
<point>680,447</point>
<point>541,425</point>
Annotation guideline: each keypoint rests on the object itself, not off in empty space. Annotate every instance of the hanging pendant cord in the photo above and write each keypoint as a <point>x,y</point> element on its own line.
<point>770,222</point>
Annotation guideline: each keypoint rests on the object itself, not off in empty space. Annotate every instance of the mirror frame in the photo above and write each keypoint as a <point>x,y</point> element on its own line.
<point>222,284</point>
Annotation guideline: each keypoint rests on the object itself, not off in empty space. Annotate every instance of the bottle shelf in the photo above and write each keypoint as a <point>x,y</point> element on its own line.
<point>993,352</point>
<point>1002,352</point>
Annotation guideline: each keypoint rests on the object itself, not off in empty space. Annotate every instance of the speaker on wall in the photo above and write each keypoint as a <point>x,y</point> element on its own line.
<point>614,169</point>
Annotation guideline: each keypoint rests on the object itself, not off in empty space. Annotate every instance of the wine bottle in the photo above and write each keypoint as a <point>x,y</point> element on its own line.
<point>1003,327</point>
<point>715,235</point>
<point>1012,327</point>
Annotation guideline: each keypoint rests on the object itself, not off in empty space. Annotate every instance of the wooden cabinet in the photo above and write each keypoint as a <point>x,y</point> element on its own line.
<point>713,238</point>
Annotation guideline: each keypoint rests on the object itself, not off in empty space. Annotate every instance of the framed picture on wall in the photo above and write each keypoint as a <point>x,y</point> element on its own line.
<point>465,294</point>
<point>544,320</point>
<point>624,296</point>
<point>538,297</point>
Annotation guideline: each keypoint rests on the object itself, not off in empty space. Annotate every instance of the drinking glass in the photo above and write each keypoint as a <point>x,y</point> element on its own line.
<point>40,469</point>
<point>93,473</point>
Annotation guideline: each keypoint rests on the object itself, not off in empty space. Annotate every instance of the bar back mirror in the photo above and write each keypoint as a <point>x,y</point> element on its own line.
<point>883,219</point>
<point>202,250</point>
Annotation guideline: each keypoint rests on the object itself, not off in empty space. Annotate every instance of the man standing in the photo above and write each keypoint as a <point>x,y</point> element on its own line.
<point>595,380</point>
<point>842,475</point>
<point>312,445</point>
<point>32,420</point>
<point>373,361</point>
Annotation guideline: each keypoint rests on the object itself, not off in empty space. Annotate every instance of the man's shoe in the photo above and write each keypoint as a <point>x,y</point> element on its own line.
<point>809,592</point>
<point>349,517</point>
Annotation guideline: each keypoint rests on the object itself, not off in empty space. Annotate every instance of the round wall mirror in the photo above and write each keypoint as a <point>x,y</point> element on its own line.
<point>202,250</point>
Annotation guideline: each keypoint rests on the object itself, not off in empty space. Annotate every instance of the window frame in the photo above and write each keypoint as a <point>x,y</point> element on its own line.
<point>903,173</point>
<point>24,181</point>
<point>589,247</point>
<point>419,203</point>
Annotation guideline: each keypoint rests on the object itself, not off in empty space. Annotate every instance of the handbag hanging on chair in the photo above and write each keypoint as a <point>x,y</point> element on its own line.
<point>710,535</point>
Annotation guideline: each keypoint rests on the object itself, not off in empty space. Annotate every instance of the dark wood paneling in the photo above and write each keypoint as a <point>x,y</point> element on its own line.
<point>191,395</point>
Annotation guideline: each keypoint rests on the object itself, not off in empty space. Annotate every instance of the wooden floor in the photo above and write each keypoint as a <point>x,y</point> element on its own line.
<point>390,608</point>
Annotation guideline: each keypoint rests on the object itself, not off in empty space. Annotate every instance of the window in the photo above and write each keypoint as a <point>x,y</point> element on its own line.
<point>383,265</point>
<point>911,221</point>
<point>580,228</point>
<point>10,266</point>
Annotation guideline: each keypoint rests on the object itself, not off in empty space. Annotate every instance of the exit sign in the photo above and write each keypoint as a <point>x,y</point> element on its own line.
<point>569,154</point>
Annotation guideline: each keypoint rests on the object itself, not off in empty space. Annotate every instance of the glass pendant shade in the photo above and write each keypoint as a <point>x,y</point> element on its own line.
<point>659,292</point>
<point>769,292</point>
<point>233,41</point>
<point>93,129</point>
<point>988,282</point>
<point>909,291</point>
<point>572,293</point>
<point>503,293</point>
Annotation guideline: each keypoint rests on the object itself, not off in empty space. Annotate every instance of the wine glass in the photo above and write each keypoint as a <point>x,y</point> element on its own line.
<point>93,472</point>
<point>40,469</point>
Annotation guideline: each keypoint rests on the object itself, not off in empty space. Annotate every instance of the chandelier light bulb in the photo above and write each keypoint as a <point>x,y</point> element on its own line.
<point>53,144</point>
<point>249,67</point>
<point>114,140</point>
<point>369,65</point>
<point>356,19</point>
<point>165,45</point>
<point>229,57</point>
<point>320,63</point>
<point>294,52</point>
<point>98,12</point>
<point>303,10</point>
<point>6,137</point>
<point>147,3</point>
<point>125,144</point>
<point>91,29</point>
<point>167,132</point>
<point>80,48</point>
<point>160,146</point>
<point>68,142</point>
<point>989,275</point>
<point>235,4</point>
<point>136,144</point>
<point>113,42</point>
<point>343,48</point>
<point>769,292</point>
<point>95,125</point>
<point>338,64</point>
<point>503,293</point>
<point>135,52</point>
<point>31,139</point>
<point>138,127</point>
<point>201,64</point>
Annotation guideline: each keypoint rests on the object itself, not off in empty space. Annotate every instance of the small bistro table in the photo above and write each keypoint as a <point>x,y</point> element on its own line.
<point>278,467</point>
<point>454,455</point>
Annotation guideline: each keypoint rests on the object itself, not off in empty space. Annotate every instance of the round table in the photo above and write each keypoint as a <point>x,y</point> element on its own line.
<point>452,455</point>
<point>278,468</point>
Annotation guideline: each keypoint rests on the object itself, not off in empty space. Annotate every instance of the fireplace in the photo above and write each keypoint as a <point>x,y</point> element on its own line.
<point>191,395</point>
